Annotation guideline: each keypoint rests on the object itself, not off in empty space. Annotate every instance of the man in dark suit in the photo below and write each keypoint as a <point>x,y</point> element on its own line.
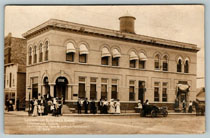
<point>86,105</point>
<point>79,106</point>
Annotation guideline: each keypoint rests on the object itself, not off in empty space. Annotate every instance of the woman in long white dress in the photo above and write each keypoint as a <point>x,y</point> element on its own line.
<point>118,107</point>
<point>35,112</point>
<point>111,107</point>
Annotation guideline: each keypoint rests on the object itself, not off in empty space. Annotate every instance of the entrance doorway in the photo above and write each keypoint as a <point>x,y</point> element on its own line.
<point>141,91</point>
<point>60,89</point>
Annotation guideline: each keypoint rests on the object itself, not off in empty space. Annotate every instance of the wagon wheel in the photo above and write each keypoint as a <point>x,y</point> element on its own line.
<point>165,113</point>
<point>153,113</point>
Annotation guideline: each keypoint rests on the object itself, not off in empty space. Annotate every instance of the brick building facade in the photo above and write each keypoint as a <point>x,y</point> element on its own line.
<point>74,60</point>
<point>15,69</point>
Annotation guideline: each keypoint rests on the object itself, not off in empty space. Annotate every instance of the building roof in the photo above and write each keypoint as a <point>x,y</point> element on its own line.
<point>60,24</point>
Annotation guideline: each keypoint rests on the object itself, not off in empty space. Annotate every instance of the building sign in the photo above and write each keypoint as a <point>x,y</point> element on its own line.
<point>61,80</point>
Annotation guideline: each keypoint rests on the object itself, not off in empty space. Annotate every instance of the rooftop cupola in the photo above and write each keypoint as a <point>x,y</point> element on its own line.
<point>127,23</point>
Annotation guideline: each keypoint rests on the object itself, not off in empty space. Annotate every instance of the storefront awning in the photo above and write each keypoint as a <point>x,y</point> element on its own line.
<point>183,87</point>
<point>70,48</point>
<point>142,56</point>
<point>133,56</point>
<point>105,52</point>
<point>83,49</point>
<point>116,53</point>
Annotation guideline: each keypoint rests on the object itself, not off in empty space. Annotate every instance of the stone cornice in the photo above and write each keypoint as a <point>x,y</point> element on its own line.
<point>69,26</point>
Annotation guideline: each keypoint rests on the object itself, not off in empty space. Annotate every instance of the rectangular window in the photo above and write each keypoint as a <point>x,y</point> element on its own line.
<point>132,63</point>
<point>82,92</point>
<point>164,92</point>
<point>40,57</point>
<point>103,80</point>
<point>103,91</point>
<point>34,87</point>
<point>114,89</point>
<point>35,58</point>
<point>93,80</point>
<point>10,80</point>
<point>104,88</point>
<point>165,66</point>
<point>105,61</point>
<point>132,93</point>
<point>114,92</point>
<point>46,55</point>
<point>93,92</point>
<point>29,60</point>
<point>83,58</point>
<point>70,56</point>
<point>81,79</point>
<point>115,61</point>
<point>141,64</point>
<point>157,66</point>
<point>156,91</point>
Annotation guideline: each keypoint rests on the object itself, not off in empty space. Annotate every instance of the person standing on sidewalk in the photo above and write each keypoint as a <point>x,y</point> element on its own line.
<point>184,106</point>
<point>118,106</point>
<point>190,107</point>
<point>79,106</point>
<point>86,105</point>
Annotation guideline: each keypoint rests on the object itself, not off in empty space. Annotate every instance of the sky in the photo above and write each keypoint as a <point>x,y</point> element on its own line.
<point>184,23</point>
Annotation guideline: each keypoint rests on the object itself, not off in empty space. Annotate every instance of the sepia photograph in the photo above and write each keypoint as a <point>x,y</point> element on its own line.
<point>104,69</point>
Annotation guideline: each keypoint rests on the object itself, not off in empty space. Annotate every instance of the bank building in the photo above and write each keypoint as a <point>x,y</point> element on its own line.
<point>72,61</point>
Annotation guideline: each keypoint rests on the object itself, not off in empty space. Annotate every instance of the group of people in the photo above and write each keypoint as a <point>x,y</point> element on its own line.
<point>9,105</point>
<point>184,106</point>
<point>104,106</point>
<point>46,105</point>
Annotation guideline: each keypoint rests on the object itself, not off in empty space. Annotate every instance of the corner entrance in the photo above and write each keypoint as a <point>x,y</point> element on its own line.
<point>60,88</point>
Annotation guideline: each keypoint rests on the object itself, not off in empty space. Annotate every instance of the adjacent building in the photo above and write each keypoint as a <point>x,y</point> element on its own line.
<point>74,61</point>
<point>15,69</point>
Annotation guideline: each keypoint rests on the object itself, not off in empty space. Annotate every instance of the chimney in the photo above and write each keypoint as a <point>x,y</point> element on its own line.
<point>127,23</point>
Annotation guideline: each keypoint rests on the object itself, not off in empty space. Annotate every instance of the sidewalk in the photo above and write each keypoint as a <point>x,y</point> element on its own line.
<point>24,113</point>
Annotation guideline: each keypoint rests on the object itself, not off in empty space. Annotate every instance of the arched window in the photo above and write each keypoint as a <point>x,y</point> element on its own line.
<point>30,56</point>
<point>142,60</point>
<point>133,59</point>
<point>105,56</point>
<point>186,66</point>
<point>40,52</point>
<point>115,57</point>
<point>35,55</point>
<point>83,53</point>
<point>46,50</point>
<point>179,65</point>
<point>70,51</point>
<point>157,62</point>
<point>165,63</point>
